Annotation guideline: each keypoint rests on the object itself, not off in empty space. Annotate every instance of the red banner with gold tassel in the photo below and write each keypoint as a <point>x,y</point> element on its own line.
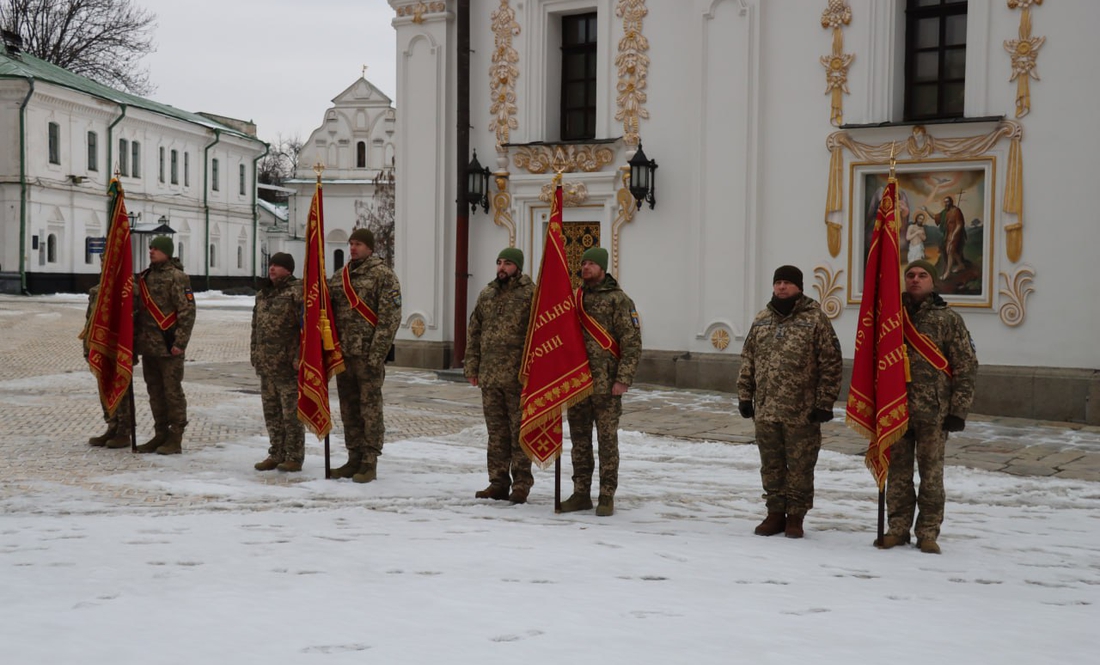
<point>878,401</point>
<point>555,370</point>
<point>319,356</point>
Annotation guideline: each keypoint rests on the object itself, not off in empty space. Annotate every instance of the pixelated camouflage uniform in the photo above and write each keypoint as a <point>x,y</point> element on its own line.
<point>170,289</point>
<point>615,312</point>
<point>276,326</point>
<point>790,365</point>
<point>122,422</point>
<point>932,397</point>
<point>494,350</point>
<point>365,349</point>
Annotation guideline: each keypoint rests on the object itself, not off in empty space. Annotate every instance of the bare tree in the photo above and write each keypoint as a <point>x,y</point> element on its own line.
<point>103,40</point>
<point>279,165</point>
<point>380,215</point>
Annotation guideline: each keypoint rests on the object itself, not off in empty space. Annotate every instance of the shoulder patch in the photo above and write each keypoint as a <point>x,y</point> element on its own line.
<point>189,295</point>
<point>395,296</point>
<point>635,318</point>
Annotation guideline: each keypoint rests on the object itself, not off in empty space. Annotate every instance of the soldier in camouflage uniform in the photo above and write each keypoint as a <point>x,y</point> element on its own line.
<point>119,426</point>
<point>938,403</point>
<point>366,346</point>
<point>162,329</point>
<point>276,326</point>
<point>790,377</point>
<point>494,351</point>
<point>613,311</point>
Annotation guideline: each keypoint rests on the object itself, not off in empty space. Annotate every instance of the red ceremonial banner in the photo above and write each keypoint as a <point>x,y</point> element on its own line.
<point>319,356</point>
<point>110,329</point>
<point>555,370</point>
<point>878,401</point>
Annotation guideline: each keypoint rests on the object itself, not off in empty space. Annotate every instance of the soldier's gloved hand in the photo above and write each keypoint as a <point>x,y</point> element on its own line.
<point>746,409</point>
<point>953,424</point>
<point>821,415</point>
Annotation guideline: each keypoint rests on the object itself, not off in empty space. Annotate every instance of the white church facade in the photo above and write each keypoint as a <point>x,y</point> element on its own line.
<point>772,124</point>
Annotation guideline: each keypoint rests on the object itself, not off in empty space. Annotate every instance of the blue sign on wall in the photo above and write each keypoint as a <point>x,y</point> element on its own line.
<point>96,245</point>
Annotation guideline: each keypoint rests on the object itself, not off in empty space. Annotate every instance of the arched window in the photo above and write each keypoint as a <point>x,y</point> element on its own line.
<point>51,248</point>
<point>212,261</point>
<point>361,155</point>
<point>337,260</point>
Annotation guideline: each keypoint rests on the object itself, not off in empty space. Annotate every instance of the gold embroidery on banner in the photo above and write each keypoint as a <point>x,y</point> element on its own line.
<point>633,65</point>
<point>1023,52</point>
<point>1017,289</point>
<point>836,15</point>
<point>563,158</point>
<point>503,74</point>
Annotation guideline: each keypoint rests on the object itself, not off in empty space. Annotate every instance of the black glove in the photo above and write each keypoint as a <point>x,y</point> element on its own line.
<point>821,415</point>
<point>746,409</point>
<point>953,424</point>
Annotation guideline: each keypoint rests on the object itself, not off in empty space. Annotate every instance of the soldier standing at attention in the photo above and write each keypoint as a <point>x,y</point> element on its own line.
<point>942,369</point>
<point>494,351</point>
<point>162,328</point>
<point>366,302</point>
<point>276,327</point>
<point>790,377</point>
<point>119,426</point>
<point>613,340</point>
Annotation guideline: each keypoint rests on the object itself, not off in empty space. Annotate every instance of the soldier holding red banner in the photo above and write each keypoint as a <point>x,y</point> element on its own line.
<point>162,328</point>
<point>120,423</point>
<point>613,341</point>
<point>366,303</point>
<point>943,367</point>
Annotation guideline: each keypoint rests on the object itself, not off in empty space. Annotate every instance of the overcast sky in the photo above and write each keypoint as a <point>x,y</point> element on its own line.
<point>277,63</point>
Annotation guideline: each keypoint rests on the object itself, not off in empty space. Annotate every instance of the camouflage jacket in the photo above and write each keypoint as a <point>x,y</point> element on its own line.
<point>615,312</point>
<point>170,289</point>
<point>498,331</point>
<point>84,336</point>
<point>377,286</point>
<point>276,325</point>
<point>790,365</point>
<point>932,394</point>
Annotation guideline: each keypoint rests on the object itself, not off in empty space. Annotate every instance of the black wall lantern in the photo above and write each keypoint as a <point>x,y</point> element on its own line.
<point>477,184</point>
<point>643,181</point>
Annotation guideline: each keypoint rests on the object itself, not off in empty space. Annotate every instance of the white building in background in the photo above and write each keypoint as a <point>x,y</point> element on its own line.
<point>771,122</point>
<point>62,138</point>
<point>354,145</point>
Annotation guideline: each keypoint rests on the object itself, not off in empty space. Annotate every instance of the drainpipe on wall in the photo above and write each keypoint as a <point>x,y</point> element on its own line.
<point>206,200</point>
<point>23,187</point>
<point>110,151</point>
<point>255,211</point>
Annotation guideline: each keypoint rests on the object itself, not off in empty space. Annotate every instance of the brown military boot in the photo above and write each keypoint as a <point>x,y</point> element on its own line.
<point>793,528</point>
<point>577,501</point>
<point>152,444</point>
<point>928,546</point>
<point>518,496</point>
<point>122,439</point>
<point>774,523</point>
<point>102,439</point>
<point>355,460</point>
<point>174,444</point>
<point>267,465</point>
<point>368,470</point>
<point>289,466</point>
<point>493,491</point>
<point>890,540</point>
<point>606,506</point>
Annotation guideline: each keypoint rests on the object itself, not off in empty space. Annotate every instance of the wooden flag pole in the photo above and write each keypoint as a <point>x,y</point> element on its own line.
<point>328,463</point>
<point>881,516</point>
<point>557,485</point>
<point>133,420</point>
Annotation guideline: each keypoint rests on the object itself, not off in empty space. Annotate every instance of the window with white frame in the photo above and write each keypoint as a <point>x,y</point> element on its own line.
<point>241,172</point>
<point>135,159</point>
<point>578,76</point>
<point>160,164</point>
<point>186,169</point>
<point>214,183</point>
<point>123,157</point>
<point>93,151</point>
<point>54,131</point>
<point>935,59</point>
<point>174,167</point>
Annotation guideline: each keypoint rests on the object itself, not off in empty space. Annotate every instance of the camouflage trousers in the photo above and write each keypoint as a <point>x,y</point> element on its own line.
<point>285,433</point>
<point>508,464</point>
<point>164,381</point>
<point>122,421</point>
<point>788,455</point>
<point>604,412</point>
<point>925,442</point>
<point>360,390</point>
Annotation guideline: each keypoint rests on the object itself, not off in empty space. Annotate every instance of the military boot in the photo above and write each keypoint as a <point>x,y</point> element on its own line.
<point>928,546</point>
<point>289,466</point>
<point>102,439</point>
<point>121,439</point>
<point>518,496</point>
<point>355,460</point>
<point>368,470</point>
<point>606,506</point>
<point>268,464</point>
<point>578,501</point>
<point>174,444</point>
<point>892,540</point>
<point>494,491</point>
<point>774,523</point>
<point>152,444</point>
<point>793,529</point>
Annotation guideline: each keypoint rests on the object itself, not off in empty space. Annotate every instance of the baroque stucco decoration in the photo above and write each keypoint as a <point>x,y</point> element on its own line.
<point>627,208</point>
<point>633,66</point>
<point>921,145</point>
<point>502,207</point>
<point>1023,52</point>
<point>836,15</point>
<point>572,193</point>
<point>503,74</point>
<point>1017,289</point>
<point>418,10</point>
<point>720,338</point>
<point>417,326</point>
<point>828,290</point>
<point>563,158</point>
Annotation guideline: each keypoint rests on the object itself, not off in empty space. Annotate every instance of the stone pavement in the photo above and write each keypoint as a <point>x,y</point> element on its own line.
<point>48,410</point>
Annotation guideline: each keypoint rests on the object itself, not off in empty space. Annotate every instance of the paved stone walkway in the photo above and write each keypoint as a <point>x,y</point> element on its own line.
<point>48,410</point>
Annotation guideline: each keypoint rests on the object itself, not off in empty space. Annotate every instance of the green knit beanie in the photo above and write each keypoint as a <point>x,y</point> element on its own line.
<point>164,244</point>
<point>513,254</point>
<point>921,263</point>
<point>597,255</point>
<point>364,236</point>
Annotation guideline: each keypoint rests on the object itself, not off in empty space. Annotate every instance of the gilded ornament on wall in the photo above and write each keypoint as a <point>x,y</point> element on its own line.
<point>417,326</point>
<point>563,158</point>
<point>633,66</point>
<point>720,339</point>
<point>503,74</point>
<point>418,10</point>
<point>828,290</point>
<point>836,15</point>
<point>502,207</point>
<point>1023,52</point>
<point>626,209</point>
<point>1017,289</point>
<point>572,193</point>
